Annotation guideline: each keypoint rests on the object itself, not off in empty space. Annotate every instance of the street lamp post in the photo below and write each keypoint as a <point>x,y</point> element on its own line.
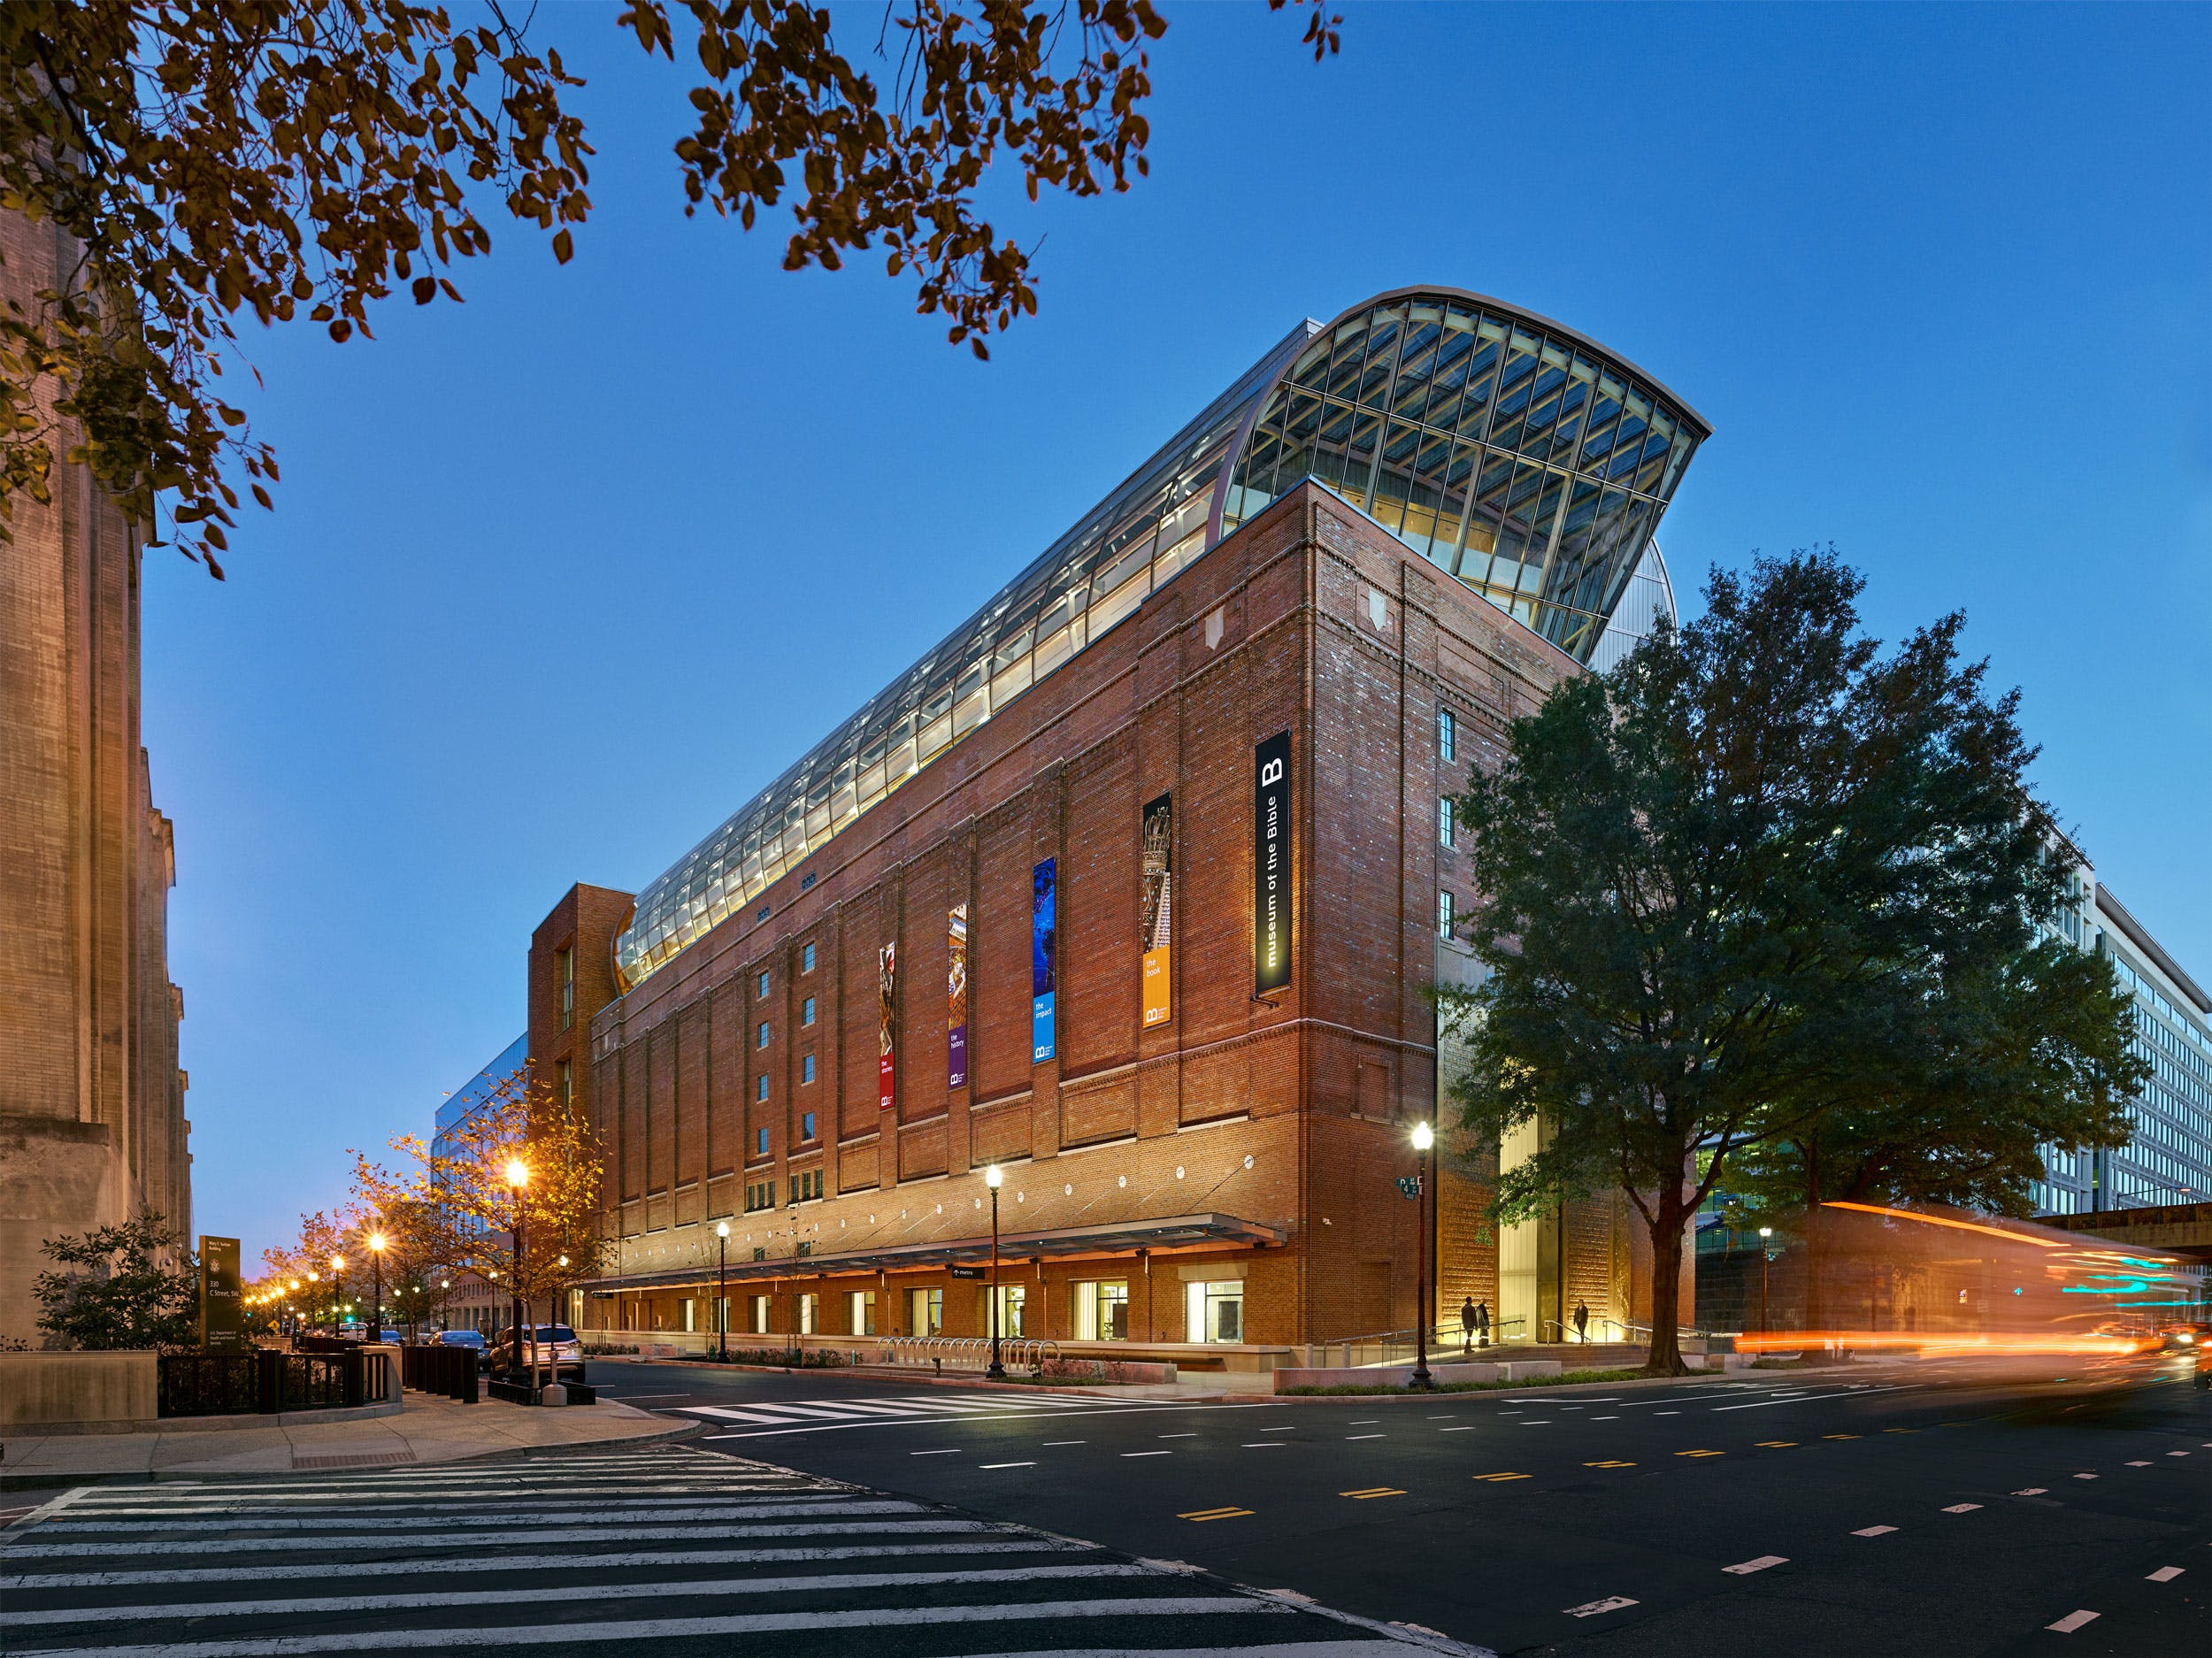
<point>1765,1232</point>
<point>337,1293</point>
<point>722,1297</point>
<point>445,1292</point>
<point>993,1178</point>
<point>376,1264</point>
<point>1423,1137</point>
<point>517,1179</point>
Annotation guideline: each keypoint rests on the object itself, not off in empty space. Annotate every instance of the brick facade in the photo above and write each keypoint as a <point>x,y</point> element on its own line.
<point>1289,1113</point>
<point>92,1125</point>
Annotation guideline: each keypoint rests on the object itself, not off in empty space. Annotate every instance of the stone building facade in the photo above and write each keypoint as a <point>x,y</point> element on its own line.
<point>92,1125</point>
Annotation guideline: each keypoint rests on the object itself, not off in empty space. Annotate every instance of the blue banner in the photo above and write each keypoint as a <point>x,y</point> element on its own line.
<point>1044,952</point>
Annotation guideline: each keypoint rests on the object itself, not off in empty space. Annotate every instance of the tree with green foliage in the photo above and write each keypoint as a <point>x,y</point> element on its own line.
<point>119,1289</point>
<point>297,158</point>
<point>1715,879</point>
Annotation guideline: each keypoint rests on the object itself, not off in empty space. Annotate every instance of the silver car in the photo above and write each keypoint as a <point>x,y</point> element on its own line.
<point>545,1344</point>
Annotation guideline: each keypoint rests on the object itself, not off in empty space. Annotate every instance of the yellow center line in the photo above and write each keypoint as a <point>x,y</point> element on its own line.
<point>1701,1453</point>
<point>1839,1436</point>
<point>1615,1464</point>
<point>1373,1491</point>
<point>1214,1514</point>
<point>1900,1429</point>
<point>1499,1476</point>
<point>1776,1445</point>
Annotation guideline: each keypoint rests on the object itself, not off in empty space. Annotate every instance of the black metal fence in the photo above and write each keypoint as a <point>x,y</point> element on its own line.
<point>441,1369</point>
<point>266,1381</point>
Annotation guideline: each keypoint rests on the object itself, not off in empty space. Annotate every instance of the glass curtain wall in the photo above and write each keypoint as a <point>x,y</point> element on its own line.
<point>1502,449</point>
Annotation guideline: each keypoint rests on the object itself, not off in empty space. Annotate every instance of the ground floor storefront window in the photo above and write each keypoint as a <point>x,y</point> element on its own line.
<point>1102,1310</point>
<point>926,1312</point>
<point>1215,1311</point>
<point>863,1312</point>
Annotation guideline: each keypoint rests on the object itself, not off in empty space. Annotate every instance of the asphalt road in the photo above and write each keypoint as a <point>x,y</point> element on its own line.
<point>1953,1509</point>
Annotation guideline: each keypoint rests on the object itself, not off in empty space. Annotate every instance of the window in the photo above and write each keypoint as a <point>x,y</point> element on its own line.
<point>760,1088</point>
<point>564,1086</point>
<point>759,1195</point>
<point>806,880</point>
<point>806,1011</point>
<point>926,1312</point>
<point>809,1314</point>
<point>564,965</point>
<point>1215,1311</point>
<point>691,1313</point>
<point>1447,736</point>
<point>760,1142</point>
<point>760,1036</point>
<point>1102,1310</point>
<point>806,958</point>
<point>806,1125</point>
<point>760,985</point>
<point>760,1252</point>
<point>1447,822</point>
<point>806,1068</point>
<point>760,1314</point>
<point>1445,907</point>
<point>861,1310</point>
<point>1010,1310</point>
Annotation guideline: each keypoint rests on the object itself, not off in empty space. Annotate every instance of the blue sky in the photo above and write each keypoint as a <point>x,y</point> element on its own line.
<point>559,577</point>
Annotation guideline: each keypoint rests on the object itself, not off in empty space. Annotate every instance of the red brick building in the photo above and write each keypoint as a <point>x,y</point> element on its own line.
<point>1132,889</point>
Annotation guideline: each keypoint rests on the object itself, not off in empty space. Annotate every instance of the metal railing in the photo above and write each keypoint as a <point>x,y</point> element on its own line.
<point>453,1372</point>
<point>265,1382</point>
<point>1397,1346</point>
<point>966,1353</point>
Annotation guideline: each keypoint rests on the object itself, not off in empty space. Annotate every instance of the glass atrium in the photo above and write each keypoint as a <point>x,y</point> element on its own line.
<point>1507,449</point>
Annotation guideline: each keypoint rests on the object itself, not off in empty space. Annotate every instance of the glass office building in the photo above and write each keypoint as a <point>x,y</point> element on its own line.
<point>1509,451</point>
<point>2168,1160</point>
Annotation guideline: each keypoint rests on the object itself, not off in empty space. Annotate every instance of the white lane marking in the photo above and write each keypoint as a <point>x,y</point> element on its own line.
<point>1611,1418</point>
<point>1147,1452</point>
<point>1874,1530</point>
<point>678,1531</point>
<point>1666,1413</point>
<point>2031,1491</point>
<point>1363,1421</point>
<point>2176,1453</point>
<point>1292,1428</point>
<point>2071,1621</point>
<point>657,1514</point>
<point>1176,1436</point>
<point>105,1613</point>
<point>2085,1477</point>
<point>639,1629</point>
<point>1807,1399</point>
<point>1105,1407</point>
<point>480,1565</point>
<point>2139,1464</point>
<point>723,1413</point>
<point>1744,1569</point>
<point>951,1451</point>
<point>221,1500</point>
<point>1466,1430</point>
<point>1962,1508</point>
<point>1366,1436</point>
<point>1264,1445</point>
<point>1006,1464</point>
<point>2164,1574</point>
<point>627,1397</point>
<point>1611,1603</point>
<point>1051,1443</point>
<point>1537,1422</point>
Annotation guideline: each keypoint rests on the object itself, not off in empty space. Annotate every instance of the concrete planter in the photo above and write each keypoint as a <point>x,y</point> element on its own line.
<point>82,1393</point>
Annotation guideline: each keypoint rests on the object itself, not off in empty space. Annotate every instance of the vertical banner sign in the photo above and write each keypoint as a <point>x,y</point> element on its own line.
<point>1270,863</point>
<point>1157,865</point>
<point>956,997</point>
<point>1044,957</point>
<point>886,1028</point>
<point>221,1327</point>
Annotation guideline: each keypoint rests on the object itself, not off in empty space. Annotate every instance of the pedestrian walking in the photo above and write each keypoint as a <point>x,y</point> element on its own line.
<point>1582,1321</point>
<point>1482,1324</point>
<point>1467,1325</point>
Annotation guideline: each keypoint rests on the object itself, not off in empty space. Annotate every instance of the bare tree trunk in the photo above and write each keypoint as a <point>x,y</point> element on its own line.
<point>1667,1214</point>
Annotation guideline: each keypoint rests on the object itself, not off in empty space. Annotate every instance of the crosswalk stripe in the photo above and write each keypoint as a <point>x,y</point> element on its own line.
<point>537,1593</point>
<point>522,1533</point>
<point>679,1628</point>
<point>480,1564</point>
<point>822,1504</point>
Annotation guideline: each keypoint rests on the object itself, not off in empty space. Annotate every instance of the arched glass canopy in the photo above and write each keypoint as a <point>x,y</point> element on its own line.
<point>1509,450</point>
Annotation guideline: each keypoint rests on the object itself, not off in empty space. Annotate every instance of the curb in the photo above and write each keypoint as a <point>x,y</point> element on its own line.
<point>675,1431</point>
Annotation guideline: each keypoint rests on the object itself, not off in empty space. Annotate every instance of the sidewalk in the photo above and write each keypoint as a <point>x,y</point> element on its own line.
<point>430,1429</point>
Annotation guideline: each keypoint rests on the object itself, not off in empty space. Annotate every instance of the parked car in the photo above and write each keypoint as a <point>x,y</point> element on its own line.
<point>462,1339</point>
<point>545,1344</point>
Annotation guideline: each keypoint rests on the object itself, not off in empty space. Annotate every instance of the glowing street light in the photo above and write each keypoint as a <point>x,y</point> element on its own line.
<point>722,1301</point>
<point>994,1177</point>
<point>376,1258</point>
<point>517,1177</point>
<point>1423,1137</point>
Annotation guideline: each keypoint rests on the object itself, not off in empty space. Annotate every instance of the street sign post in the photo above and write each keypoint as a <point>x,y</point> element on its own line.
<point>222,1325</point>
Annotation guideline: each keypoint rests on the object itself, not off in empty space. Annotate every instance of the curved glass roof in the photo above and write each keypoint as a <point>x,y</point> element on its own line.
<point>1505,448</point>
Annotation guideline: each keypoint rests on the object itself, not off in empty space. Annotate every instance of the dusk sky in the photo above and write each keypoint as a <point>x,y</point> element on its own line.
<point>560,576</point>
